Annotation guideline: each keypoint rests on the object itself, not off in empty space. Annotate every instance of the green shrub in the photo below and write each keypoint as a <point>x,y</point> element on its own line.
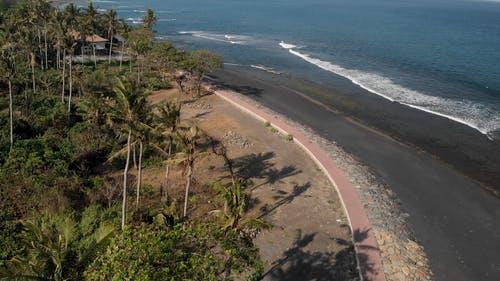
<point>182,253</point>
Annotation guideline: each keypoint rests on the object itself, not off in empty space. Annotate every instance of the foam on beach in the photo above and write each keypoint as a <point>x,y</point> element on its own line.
<point>287,46</point>
<point>225,38</point>
<point>481,117</point>
<point>266,69</point>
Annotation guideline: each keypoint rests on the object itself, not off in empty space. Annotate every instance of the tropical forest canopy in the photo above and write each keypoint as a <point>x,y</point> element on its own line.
<point>75,121</point>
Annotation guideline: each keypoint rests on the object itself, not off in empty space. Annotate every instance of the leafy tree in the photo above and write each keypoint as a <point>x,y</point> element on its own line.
<point>164,57</point>
<point>201,63</point>
<point>181,253</point>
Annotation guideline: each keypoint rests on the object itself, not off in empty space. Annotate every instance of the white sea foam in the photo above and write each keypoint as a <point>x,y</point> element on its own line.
<point>481,117</point>
<point>233,64</point>
<point>139,11</point>
<point>160,20</point>
<point>226,38</point>
<point>287,46</point>
<point>265,68</point>
<point>134,20</point>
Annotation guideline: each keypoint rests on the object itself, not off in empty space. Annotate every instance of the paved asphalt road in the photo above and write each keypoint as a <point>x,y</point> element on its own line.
<point>453,217</point>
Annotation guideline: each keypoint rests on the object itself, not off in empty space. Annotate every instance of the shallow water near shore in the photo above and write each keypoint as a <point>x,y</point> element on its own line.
<point>435,56</point>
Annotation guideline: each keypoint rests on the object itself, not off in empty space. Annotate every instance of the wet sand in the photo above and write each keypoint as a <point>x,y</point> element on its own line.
<point>453,216</point>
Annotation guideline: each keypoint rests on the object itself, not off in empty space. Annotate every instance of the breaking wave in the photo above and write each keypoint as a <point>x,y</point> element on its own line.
<point>481,117</point>
<point>226,38</point>
<point>266,69</point>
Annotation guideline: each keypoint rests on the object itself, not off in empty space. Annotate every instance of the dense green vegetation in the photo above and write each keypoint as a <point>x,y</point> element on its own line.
<point>70,116</point>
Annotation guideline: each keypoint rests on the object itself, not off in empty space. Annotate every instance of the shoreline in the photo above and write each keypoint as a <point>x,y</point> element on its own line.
<point>390,245</point>
<point>464,148</point>
<point>439,202</point>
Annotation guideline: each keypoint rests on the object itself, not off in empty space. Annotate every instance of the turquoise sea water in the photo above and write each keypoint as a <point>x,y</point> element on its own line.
<point>440,56</point>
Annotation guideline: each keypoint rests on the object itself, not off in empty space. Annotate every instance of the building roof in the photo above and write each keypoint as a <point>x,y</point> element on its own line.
<point>94,38</point>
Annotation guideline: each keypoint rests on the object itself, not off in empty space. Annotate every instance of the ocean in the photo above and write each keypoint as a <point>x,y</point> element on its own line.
<point>438,56</point>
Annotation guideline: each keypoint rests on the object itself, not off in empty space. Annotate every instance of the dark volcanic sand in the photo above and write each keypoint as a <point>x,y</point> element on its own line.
<point>453,216</point>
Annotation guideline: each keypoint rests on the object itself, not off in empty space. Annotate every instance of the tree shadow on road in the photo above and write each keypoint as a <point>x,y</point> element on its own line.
<point>259,166</point>
<point>284,198</point>
<point>300,264</point>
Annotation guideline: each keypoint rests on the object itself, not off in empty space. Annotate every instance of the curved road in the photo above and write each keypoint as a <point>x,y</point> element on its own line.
<point>453,217</point>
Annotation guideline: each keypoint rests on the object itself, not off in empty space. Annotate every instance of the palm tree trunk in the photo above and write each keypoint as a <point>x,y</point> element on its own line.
<point>46,47</point>
<point>93,52</point>
<point>167,170</point>
<point>138,72</point>
<point>125,171</point>
<point>139,176</point>
<point>188,185</point>
<point>63,77</point>
<point>133,157</point>
<point>110,47</point>
<point>130,63</point>
<point>121,55</point>
<point>40,48</point>
<point>33,72</point>
<point>58,55</point>
<point>11,114</point>
<point>70,82</point>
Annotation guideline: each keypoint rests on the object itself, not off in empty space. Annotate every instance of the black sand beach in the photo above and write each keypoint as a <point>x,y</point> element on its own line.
<point>433,164</point>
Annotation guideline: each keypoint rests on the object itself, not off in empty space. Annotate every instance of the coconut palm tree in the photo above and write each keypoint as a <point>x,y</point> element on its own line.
<point>128,107</point>
<point>7,68</point>
<point>90,19</point>
<point>149,19</point>
<point>140,42</point>
<point>168,120</point>
<point>186,139</point>
<point>112,22</point>
<point>51,253</point>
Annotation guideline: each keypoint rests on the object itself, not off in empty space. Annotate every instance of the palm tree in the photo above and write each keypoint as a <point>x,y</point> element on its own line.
<point>71,13</point>
<point>186,142</point>
<point>140,42</point>
<point>123,28</point>
<point>90,20</point>
<point>142,134</point>
<point>168,118</point>
<point>149,19</point>
<point>111,22</point>
<point>51,252</point>
<point>7,68</point>
<point>235,207</point>
<point>129,105</point>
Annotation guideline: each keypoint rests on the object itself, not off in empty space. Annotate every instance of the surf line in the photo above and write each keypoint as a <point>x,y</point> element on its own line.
<point>338,70</point>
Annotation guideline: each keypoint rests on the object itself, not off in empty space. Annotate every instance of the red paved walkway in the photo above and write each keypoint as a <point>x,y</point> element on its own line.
<point>367,250</point>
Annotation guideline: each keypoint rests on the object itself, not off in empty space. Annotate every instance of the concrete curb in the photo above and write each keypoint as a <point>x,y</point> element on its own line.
<point>367,251</point>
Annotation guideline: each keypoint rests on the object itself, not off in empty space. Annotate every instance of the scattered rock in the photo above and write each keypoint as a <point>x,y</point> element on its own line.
<point>234,139</point>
